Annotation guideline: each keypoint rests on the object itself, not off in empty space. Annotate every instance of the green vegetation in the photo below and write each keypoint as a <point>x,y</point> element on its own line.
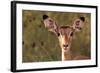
<point>40,45</point>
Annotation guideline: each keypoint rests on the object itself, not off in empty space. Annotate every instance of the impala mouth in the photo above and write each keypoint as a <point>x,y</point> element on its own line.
<point>66,48</point>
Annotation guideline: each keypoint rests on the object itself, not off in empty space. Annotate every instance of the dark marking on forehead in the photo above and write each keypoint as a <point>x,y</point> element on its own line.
<point>64,27</point>
<point>66,30</point>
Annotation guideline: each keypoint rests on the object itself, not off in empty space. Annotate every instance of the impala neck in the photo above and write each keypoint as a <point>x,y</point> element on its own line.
<point>66,55</point>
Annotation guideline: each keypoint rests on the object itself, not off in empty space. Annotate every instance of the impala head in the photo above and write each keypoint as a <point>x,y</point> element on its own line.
<point>64,33</point>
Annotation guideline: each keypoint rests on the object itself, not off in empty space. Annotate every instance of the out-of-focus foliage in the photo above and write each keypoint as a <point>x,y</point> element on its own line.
<point>41,45</point>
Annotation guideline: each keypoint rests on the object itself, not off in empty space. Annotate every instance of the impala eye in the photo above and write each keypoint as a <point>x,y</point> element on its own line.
<point>58,34</point>
<point>71,34</point>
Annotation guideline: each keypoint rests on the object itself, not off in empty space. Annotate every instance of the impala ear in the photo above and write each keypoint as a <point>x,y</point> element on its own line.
<point>79,23</point>
<point>45,17</point>
<point>50,24</point>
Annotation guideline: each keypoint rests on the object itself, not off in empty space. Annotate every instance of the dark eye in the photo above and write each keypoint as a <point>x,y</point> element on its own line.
<point>58,34</point>
<point>71,34</point>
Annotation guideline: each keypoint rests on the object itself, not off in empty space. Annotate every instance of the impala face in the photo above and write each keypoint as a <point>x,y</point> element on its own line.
<point>64,33</point>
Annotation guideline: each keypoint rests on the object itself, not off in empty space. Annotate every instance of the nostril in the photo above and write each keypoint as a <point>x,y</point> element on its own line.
<point>65,45</point>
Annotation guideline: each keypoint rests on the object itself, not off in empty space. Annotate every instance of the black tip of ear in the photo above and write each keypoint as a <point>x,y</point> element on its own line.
<point>45,17</point>
<point>82,18</point>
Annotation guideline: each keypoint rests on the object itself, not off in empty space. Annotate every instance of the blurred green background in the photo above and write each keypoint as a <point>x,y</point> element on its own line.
<point>40,45</point>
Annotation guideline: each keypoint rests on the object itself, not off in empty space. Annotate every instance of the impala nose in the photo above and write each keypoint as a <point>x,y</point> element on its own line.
<point>65,46</point>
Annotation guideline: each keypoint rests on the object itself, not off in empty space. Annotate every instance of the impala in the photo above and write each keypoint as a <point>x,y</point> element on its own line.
<point>65,34</point>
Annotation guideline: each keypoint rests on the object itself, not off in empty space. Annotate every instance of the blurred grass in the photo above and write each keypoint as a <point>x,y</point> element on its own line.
<point>40,45</point>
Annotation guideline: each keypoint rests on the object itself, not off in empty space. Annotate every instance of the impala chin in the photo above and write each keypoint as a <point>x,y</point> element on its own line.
<point>66,49</point>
